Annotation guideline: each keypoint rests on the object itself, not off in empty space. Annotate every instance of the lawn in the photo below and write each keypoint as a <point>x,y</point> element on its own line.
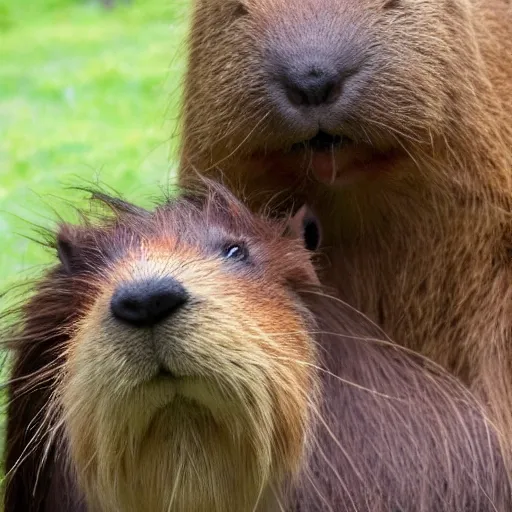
<point>87,95</point>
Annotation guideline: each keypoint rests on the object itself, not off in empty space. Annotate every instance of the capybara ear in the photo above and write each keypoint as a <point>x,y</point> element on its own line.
<point>306,225</point>
<point>67,245</point>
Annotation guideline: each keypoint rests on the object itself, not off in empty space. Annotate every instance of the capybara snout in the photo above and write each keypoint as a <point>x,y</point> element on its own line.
<point>314,71</point>
<point>351,82</point>
<point>144,303</point>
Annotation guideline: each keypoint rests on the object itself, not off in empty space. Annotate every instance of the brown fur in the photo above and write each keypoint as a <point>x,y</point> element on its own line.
<point>429,234</point>
<point>221,437</point>
<point>87,421</point>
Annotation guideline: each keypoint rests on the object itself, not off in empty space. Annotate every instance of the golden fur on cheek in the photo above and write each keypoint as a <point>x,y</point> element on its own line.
<point>220,437</point>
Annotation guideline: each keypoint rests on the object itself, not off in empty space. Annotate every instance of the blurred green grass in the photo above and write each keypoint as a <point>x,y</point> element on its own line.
<point>87,95</point>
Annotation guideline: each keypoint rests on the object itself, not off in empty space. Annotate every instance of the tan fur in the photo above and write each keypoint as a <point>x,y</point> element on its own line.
<point>424,249</point>
<point>222,437</point>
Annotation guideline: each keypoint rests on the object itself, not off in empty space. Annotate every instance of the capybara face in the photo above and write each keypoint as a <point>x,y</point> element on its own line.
<point>339,89</point>
<point>187,380</point>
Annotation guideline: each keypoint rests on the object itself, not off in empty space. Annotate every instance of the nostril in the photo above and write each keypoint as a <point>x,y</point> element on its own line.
<point>333,92</point>
<point>130,305</point>
<point>145,303</point>
<point>127,308</point>
<point>313,87</point>
<point>164,302</point>
<point>295,95</point>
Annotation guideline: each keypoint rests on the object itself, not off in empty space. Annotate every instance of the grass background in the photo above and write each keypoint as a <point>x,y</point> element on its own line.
<point>87,95</point>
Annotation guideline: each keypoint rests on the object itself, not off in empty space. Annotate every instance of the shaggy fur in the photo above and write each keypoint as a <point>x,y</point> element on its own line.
<point>420,237</point>
<point>86,394</point>
<point>92,428</point>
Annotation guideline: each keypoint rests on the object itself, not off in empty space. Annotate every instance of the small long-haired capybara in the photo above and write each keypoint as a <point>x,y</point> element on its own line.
<point>393,119</point>
<point>187,359</point>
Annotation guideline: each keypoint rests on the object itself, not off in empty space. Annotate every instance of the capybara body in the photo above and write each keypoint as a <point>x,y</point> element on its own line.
<point>187,359</point>
<point>393,120</point>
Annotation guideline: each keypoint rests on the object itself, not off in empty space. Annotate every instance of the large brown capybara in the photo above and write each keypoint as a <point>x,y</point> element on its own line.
<point>171,361</point>
<point>393,119</point>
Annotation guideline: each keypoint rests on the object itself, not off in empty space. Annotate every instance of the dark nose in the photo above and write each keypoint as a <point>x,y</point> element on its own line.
<point>145,303</point>
<point>312,82</point>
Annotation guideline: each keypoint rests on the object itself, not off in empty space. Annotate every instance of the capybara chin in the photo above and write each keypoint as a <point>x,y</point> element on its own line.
<point>393,120</point>
<point>187,360</point>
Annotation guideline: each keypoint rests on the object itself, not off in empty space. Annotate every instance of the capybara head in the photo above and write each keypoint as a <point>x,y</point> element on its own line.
<point>186,380</point>
<point>342,90</point>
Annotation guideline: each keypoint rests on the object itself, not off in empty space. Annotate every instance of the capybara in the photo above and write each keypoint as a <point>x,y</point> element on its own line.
<point>393,120</point>
<point>187,359</point>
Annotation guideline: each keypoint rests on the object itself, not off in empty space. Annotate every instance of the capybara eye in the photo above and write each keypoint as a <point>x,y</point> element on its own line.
<point>235,252</point>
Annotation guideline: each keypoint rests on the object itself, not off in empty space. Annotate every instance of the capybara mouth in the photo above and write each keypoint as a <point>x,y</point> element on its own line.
<point>322,141</point>
<point>165,374</point>
<point>333,159</point>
